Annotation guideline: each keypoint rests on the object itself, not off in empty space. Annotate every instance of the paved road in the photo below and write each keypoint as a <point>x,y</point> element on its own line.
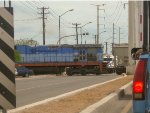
<point>30,90</point>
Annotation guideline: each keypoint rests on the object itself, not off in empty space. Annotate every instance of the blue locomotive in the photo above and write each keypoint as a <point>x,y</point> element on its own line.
<point>75,58</point>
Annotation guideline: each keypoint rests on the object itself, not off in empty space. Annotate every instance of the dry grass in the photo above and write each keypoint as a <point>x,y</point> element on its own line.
<point>78,102</point>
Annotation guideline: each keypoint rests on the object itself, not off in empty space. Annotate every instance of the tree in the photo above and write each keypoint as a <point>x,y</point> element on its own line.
<point>17,56</point>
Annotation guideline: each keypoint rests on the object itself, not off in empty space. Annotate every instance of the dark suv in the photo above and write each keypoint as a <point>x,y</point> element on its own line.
<point>23,71</point>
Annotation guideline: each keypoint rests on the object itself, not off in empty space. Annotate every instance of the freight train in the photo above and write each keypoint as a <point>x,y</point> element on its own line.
<point>72,59</point>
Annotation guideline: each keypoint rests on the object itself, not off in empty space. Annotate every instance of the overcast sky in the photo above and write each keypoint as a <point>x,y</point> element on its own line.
<point>28,24</point>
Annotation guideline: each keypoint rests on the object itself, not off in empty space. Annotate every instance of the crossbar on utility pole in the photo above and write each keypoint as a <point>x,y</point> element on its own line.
<point>43,19</point>
<point>98,20</point>
<point>76,26</point>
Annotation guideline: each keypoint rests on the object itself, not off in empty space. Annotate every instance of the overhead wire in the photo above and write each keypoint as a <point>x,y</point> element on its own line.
<point>21,8</point>
<point>29,19</point>
<point>118,12</point>
<point>23,2</point>
<point>114,11</point>
<point>55,15</point>
<point>119,16</point>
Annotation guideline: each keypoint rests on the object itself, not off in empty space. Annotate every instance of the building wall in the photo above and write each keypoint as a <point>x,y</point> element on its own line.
<point>121,52</point>
<point>135,27</point>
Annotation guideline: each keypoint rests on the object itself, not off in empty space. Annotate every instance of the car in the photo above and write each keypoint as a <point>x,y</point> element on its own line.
<point>23,71</point>
<point>120,69</point>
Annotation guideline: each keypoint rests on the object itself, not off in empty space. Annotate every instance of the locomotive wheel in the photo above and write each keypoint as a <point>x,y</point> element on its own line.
<point>69,72</point>
<point>83,72</point>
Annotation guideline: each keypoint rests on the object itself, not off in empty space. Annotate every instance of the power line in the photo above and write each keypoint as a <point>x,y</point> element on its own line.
<point>33,6</point>
<point>30,19</point>
<point>109,17</point>
<point>28,6</point>
<point>54,14</point>
<point>119,16</point>
<point>114,19</point>
<point>23,9</point>
<point>49,8</point>
<point>114,11</point>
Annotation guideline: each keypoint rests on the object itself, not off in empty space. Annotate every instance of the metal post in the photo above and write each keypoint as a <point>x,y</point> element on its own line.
<point>76,24</point>
<point>4,3</point>
<point>148,20</point>
<point>113,34</point>
<point>43,20</point>
<point>81,34</point>
<point>9,3</point>
<point>43,26</point>
<point>95,39</point>
<point>59,25</point>
<point>145,26</point>
<point>97,24</point>
<point>119,35</point>
<point>106,47</point>
<point>77,32</point>
<point>59,31</point>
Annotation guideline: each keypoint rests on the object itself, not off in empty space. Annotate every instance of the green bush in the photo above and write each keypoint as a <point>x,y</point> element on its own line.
<point>17,56</point>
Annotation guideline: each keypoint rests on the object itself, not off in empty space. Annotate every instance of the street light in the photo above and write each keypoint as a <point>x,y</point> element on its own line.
<point>81,29</point>
<point>59,22</point>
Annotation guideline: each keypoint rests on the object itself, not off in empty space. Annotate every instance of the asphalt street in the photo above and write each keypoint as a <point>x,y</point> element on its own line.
<point>30,90</point>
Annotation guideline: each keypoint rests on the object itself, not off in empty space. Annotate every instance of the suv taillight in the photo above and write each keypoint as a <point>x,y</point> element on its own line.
<point>139,80</point>
<point>138,87</point>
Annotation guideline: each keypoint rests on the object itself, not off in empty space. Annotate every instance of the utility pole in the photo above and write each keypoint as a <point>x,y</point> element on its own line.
<point>106,47</point>
<point>95,39</point>
<point>81,34</point>
<point>9,3</point>
<point>43,19</point>
<point>113,52</point>
<point>119,35</point>
<point>113,34</point>
<point>97,24</point>
<point>4,3</point>
<point>76,26</point>
<point>98,20</point>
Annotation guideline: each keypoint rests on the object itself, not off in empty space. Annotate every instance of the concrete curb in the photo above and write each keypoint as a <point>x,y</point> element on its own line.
<point>58,97</point>
<point>103,104</point>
